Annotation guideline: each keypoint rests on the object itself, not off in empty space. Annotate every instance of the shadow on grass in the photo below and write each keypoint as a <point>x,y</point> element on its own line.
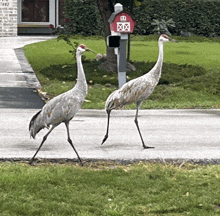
<point>172,73</point>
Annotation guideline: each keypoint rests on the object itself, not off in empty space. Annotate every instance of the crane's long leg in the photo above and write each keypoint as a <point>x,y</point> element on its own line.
<point>106,135</point>
<point>70,141</point>
<point>44,139</point>
<point>136,122</point>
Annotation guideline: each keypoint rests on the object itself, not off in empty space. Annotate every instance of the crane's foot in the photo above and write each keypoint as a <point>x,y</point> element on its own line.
<point>105,138</point>
<point>147,147</point>
<point>31,162</point>
<point>81,162</point>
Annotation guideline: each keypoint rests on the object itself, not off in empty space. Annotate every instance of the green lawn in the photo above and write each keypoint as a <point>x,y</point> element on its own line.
<point>190,77</point>
<point>108,189</point>
<point>192,53</point>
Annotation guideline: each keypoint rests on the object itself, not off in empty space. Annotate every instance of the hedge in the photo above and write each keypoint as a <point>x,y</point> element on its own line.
<point>199,17</point>
<point>84,16</point>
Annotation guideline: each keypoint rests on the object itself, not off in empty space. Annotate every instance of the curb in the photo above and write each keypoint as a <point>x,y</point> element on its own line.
<point>178,162</point>
<point>27,70</point>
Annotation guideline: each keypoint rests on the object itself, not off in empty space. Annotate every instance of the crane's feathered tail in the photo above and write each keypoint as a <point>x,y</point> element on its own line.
<point>33,127</point>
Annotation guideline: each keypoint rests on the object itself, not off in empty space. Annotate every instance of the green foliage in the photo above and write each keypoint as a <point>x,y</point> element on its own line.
<point>105,188</point>
<point>161,27</point>
<point>137,3</point>
<point>73,45</point>
<point>199,17</point>
<point>84,16</point>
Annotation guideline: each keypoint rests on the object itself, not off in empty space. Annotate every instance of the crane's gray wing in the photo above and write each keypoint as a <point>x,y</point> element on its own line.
<point>61,109</point>
<point>133,91</point>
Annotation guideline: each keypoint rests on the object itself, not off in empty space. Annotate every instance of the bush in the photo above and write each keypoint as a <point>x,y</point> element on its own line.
<point>84,16</point>
<point>200,17</point>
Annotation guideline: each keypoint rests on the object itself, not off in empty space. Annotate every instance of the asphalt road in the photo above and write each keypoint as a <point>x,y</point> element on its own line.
<point>175,134</point>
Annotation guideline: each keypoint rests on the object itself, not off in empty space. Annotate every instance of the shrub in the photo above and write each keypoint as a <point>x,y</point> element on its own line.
<point>200,17</point>
<point>84,17</point>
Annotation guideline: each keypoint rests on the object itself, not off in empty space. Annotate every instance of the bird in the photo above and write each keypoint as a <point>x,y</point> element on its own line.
<point>63,107</point>
<point>137,90</point>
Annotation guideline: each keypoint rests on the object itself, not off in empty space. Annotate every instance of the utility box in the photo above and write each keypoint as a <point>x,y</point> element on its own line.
<point>113,41</point>
<point>122,22</point>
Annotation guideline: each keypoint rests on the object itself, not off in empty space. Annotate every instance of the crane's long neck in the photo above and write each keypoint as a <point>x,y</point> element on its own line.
<point>157,69</point>
<point>80,71</point>
<point>81,78</point>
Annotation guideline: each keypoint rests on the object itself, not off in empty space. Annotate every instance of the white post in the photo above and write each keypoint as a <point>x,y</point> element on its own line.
<point>121,52</point>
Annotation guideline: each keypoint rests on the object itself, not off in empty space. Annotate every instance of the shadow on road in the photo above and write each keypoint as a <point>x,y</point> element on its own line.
<point>21,98</point>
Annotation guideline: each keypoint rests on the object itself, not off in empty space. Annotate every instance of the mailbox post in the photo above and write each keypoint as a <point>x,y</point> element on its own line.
<point>121,24</point>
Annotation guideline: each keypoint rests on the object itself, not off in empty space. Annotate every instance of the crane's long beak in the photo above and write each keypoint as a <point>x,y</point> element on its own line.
<point>172,40</point>
<point>87,49</point>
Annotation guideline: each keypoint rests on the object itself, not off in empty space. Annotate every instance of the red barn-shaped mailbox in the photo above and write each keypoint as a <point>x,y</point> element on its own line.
<point>122,22</point>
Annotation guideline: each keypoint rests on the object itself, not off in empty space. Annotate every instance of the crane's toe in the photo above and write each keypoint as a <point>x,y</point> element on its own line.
<point>105,138</point>
<point>147,147</point>
<point>31,162</point>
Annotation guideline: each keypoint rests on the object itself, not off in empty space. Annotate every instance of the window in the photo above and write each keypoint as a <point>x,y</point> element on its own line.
<point>35,10</point>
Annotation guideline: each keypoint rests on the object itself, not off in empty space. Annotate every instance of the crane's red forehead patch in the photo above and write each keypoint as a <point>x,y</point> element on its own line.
<point>165,36</point>
<point>82,46</point>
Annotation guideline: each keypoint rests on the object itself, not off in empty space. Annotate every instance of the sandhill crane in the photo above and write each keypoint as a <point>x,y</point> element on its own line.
<point>63,107</point>
<point>137,90</point>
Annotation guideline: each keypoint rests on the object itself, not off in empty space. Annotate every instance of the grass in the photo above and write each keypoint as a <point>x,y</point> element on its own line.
<point>203,54</point>
<point>105,188</point>
<point>190,77</point>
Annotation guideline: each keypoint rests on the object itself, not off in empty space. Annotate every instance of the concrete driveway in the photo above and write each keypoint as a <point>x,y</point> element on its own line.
<point>17,78</point>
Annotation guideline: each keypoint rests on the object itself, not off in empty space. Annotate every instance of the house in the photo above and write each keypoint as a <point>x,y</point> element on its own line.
<point>30,16</point>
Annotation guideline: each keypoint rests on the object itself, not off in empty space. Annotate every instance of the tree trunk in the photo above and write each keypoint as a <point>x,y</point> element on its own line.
<point>129,36</point>
<point>106,8</point>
